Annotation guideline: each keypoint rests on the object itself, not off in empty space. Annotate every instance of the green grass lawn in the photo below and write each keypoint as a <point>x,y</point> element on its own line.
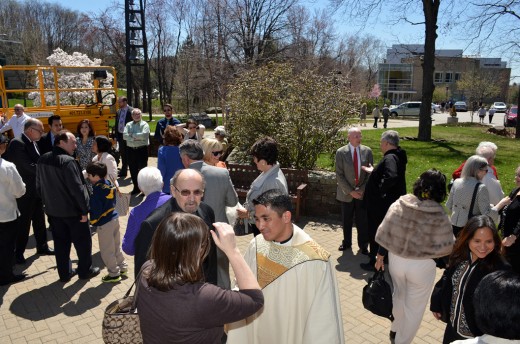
<point>460,143</point>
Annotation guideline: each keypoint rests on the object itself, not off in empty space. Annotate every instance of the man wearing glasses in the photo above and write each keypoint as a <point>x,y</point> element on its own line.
<point>219,193</point>
<point>16,122</point>
<point>164,122</point>
<point>187,189</point>
<point>24,153</point>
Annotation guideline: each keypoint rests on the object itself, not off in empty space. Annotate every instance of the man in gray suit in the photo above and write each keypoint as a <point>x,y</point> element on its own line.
<point>219,193</point>
<point>351,181</point>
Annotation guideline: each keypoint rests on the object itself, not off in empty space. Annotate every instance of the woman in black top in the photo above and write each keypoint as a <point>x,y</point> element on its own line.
<point>511,225</point>
<point>477,253</point>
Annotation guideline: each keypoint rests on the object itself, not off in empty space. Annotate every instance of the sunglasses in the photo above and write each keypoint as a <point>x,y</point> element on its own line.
<point>216,153</point>
<point>186,193</point>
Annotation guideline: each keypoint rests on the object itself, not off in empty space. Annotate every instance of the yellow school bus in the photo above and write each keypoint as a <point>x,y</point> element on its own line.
<point>73,93</point>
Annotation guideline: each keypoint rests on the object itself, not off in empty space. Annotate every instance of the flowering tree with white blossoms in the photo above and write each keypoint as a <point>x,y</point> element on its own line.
<point>73,80</point>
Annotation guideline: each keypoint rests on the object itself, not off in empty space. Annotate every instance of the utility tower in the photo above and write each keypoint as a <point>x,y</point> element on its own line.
<point>137,73</point>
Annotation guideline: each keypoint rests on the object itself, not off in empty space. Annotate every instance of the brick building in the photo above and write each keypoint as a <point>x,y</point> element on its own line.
<point>400,77</point>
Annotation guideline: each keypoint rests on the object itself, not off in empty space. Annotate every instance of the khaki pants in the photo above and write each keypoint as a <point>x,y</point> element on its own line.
<point>110,247</point>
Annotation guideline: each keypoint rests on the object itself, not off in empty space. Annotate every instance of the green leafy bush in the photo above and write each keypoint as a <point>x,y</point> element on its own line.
<point>303,111</point>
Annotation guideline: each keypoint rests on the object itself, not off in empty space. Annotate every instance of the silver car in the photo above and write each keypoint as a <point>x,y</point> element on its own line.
<point>406,109</point>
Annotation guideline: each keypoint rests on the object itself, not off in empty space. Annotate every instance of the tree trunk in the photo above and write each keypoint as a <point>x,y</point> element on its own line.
<point>517,135</point>
<point>431,11</point>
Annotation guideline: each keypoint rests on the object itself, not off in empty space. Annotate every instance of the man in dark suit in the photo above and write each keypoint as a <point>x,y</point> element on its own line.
<point>24,153</point>
<point>47,141</point>
<point>187,189</point>
<point>351,181</point>
<point>61,185</point>
<point>219,193</point>
<point>124,115</point>
<point>387,182</point>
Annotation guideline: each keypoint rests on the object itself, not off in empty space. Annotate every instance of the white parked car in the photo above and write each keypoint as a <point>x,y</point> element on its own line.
<point>499,106</point>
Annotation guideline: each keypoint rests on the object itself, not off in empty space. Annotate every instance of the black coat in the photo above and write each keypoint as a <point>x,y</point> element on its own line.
<point>22,153</point>
<point>60,184</point>
<point>45,143</point>
<point>143,240</point>
<point>386,183</point>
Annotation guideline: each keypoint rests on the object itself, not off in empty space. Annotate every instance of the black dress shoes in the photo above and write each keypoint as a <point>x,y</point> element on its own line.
<point>93,272</point>
<point>13,279</point>
<point>344,247</point>
<point>71,274</point>
<point>364,251</point>
<point>46,251</point>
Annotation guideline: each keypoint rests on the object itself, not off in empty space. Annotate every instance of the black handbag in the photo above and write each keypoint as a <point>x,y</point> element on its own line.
<point>473,198</point>
<point>377,296</point>
<point>441,297</point>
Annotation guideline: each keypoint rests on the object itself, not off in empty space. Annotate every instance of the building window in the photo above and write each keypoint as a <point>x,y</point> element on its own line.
<point>448,77</point>
<point>438,77</point>
<point>457,76</point>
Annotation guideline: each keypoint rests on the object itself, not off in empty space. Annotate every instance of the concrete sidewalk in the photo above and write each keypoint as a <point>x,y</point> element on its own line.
<point>43,310</point>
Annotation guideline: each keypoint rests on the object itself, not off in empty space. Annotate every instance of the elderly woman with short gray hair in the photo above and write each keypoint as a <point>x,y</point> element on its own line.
<point>460,201</point>
<point>150,183</point>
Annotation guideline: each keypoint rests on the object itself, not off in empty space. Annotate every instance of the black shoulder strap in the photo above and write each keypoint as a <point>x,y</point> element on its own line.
<point>470,214</point>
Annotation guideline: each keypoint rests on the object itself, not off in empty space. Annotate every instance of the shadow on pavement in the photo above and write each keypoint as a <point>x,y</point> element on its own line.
<point>56,298</point>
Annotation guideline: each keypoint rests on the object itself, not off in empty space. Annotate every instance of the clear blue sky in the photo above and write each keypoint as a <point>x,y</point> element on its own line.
<point>381,28</point>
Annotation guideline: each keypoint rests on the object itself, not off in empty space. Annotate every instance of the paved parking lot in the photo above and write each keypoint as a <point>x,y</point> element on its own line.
<point>43,310</point>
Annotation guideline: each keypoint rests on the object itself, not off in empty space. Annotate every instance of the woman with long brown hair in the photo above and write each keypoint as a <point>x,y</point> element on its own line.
<point>175,304</point>
<point>477,253</point>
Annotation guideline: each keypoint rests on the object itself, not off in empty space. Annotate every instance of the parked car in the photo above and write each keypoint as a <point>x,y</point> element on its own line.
<point>406,109</point>
<point>460,106</point>
<point>436,107</point>
<point>510,117</point>
<point>499,107</point>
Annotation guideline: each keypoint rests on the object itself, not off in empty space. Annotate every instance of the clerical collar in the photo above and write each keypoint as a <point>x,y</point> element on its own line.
<point>285,241</point>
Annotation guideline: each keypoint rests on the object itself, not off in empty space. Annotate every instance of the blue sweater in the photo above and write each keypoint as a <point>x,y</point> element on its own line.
<point>102,203</point>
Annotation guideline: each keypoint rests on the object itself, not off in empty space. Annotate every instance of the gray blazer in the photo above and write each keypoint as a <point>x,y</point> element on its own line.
<point>345,175</point>
<point>219,192</point>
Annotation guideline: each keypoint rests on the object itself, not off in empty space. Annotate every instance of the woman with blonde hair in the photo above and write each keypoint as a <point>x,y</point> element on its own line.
<point>213,150</point>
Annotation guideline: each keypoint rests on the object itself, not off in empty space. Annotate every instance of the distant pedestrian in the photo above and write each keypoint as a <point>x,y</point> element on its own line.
<point>491,113</point>
<point>386,113</point>
<point>482,114</point>
<point>376,115</point>
<point>363,115</point>
<point>443,105</point>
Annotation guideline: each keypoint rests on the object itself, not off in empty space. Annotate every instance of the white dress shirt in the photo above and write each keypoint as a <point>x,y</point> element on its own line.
<point>11,188</point>
<point>16,123</point>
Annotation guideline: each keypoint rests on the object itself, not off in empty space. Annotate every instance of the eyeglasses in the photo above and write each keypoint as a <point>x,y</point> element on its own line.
<point>192,127</point>
<point>185,193</point>
<point>216,153</point>
<point>38,130</point>
<point>18,109</point>
<point>167,110</point>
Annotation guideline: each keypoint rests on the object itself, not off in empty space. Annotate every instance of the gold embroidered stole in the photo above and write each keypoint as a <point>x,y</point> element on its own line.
<point>274,260</point>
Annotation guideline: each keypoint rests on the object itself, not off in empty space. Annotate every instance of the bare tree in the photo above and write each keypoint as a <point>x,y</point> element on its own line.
<point>366,9</point>
<point>496,19</point>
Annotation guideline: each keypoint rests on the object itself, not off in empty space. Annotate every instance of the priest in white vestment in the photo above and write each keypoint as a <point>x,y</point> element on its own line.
<point>301,301</point>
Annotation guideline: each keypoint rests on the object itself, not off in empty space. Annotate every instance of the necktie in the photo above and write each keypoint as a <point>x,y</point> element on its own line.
<point>356,165</point>
<point>36,148</point>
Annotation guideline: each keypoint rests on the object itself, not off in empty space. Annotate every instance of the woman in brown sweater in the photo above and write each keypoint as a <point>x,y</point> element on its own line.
<point>175,305</point>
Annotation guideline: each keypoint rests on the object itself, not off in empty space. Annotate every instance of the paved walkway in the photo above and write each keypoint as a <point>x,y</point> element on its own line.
<point>43,310</point>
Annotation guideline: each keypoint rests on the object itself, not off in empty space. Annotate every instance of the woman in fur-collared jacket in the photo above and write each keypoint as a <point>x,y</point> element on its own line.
<point>415,230</point>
